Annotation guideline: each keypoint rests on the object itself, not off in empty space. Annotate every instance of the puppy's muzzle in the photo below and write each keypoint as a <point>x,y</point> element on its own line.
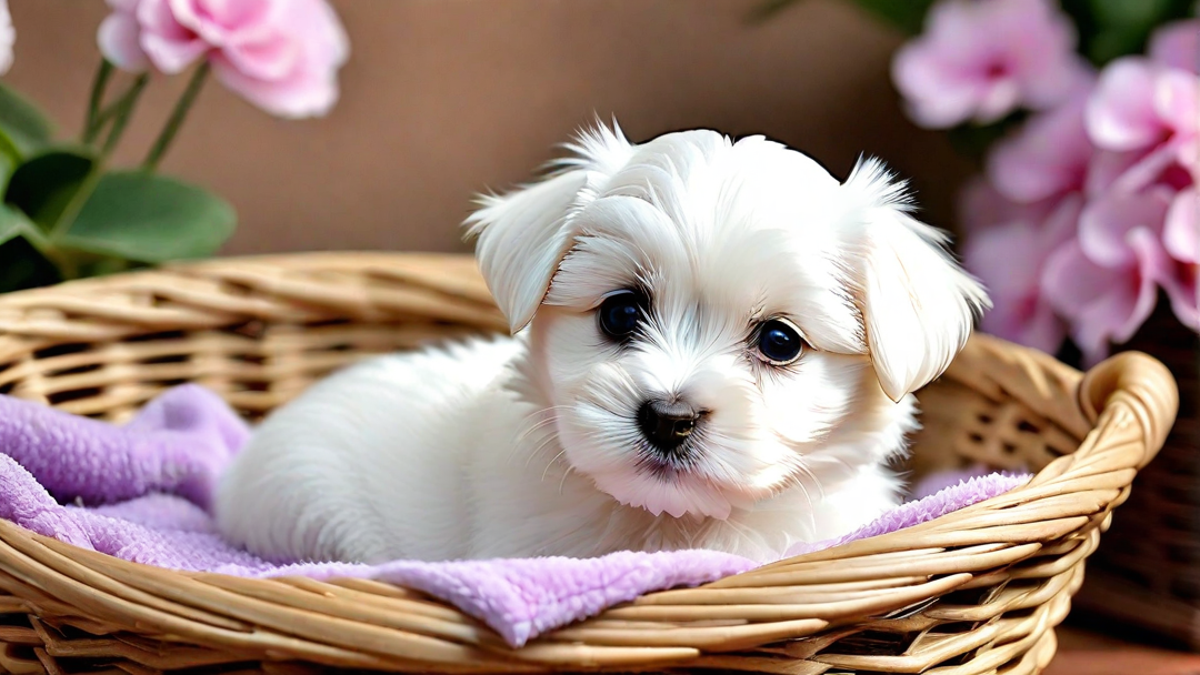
<point>666,425</point>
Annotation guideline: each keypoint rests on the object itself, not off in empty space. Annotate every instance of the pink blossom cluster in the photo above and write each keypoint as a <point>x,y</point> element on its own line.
<point>1091,206</point>
<point>281,55</point>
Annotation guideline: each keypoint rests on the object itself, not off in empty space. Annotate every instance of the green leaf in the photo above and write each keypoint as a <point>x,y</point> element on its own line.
<point>23,266</point>
<point>149,218</point>
<point>12,223</point>
<point>8,164</point>
<point>21,121</point>
<point>1109,29</point>
<point>43,186</point>
<point>907,16</point>
<point>10,153</point>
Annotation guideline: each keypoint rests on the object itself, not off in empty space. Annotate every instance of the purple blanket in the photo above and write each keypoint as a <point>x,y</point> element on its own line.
<point>140,492</point>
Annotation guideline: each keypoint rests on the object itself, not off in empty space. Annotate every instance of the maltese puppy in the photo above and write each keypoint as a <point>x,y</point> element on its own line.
<point>716,344</point>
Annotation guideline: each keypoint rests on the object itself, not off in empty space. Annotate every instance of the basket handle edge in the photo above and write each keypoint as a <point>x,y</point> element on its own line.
<point>1141,382</point>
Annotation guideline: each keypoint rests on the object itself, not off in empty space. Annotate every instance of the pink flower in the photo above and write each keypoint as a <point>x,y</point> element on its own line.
<point>1177,45</point>
<point>1105,282</point>
<point>1181,236</point>
<point>8,36</point>
<point>1104,304</point>
<point>1143,116</point>
<point>1106,223</point>
<point>982,59</point>
<point>1048,156</point>
<point>1007,250</point>
<point>118,37</point>
<point>281,55</point>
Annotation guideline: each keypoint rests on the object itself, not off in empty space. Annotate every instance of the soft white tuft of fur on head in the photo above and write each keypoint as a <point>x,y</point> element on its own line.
<point>524,234</point>
<point>918,305</point>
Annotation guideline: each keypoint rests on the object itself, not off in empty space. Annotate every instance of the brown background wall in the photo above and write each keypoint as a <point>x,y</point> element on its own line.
<point>444,98</point>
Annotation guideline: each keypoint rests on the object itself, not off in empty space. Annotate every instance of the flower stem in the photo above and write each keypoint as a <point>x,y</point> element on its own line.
<point>122,111</point>
<point>91,125</point>
<point>177,116</point>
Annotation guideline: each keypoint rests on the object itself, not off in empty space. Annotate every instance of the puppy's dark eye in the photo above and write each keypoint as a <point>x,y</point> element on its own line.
<point>779,343</point>
<point>620,314</point>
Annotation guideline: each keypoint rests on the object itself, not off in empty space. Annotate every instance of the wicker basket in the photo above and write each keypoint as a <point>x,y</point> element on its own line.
<point>1148,573</point>
<point>976,592</point>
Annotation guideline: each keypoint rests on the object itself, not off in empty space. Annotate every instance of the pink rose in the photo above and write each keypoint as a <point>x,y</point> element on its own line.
<point>1007,250</point>
<point>981,59</point>
<point>118,37</point>
<point>8,36</point>
<point>281,55</point>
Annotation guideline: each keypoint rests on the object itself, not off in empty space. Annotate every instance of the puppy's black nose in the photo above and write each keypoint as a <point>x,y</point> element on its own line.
<point>666,425</point>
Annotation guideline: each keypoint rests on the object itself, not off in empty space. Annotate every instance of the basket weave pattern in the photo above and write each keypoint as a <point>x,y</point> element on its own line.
<point>1152,579</point>
<point>976,592</point>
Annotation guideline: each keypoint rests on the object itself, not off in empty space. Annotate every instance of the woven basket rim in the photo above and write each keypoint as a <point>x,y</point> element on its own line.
<point>1120,411</point>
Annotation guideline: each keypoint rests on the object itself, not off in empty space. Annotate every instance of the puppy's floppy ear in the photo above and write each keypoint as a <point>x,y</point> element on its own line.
<point>918,305</point>
<point>524,235</point>
<point>522,238</point>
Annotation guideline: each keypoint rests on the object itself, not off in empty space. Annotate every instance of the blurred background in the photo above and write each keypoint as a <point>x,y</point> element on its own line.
<point>442,99</point>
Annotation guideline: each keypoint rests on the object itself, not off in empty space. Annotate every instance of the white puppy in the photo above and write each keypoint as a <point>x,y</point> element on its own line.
<point>716,347</point>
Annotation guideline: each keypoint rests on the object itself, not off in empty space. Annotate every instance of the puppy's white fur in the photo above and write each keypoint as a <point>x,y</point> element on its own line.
<point>530,445</point>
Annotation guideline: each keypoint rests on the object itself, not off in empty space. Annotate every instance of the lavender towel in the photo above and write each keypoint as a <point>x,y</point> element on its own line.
<point>140,492</point>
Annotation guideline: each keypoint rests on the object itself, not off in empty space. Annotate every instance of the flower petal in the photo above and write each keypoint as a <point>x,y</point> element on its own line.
<point>1028,321</point>
<point>1071,283</point>
<point>1044,329</point>
<point>1121,115</point>
<point>999,98</point>
<point>268,60</point>
<point>1177,101</point>
<point>1177,45</point>
<point>222,23</point>
<point>935,96</point>
<point>982,205</point>
<point>1182,290</point>
<point>1110,303</point>
<point>1041,40</point>
<point>307,94</point>
<point>170,46</point>
<point>171,56</point>
<point>1071,280</point>
<point>982,59</point>
<point>1133,170</point>
<point>1152,267</point>
<point>1106,224</point>
<point>309,85</point>
<point>1181,234</point>
<point>1000,257</point>
<point>118,40</point>
<point>157,16</point>
<point>1004,258</point>
<point>1048,156</point>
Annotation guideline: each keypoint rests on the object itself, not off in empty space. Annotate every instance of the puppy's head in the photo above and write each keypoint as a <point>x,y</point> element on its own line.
<point>710,317</point>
